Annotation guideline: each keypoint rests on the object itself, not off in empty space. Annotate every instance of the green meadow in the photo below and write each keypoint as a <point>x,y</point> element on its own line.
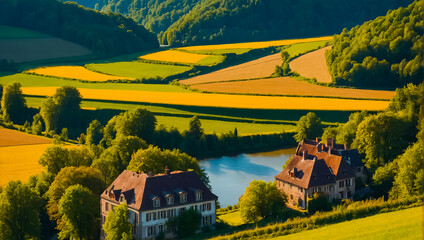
<point>404,224</point>
<point>9,32</point>
<point>138,70</point>
<point>300,48</point>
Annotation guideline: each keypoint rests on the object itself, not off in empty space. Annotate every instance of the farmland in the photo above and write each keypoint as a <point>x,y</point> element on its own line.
<point>219,100</point>
<point>19,154</point>
<point>312,65</point>
<point>290,87</point>
<point>138,70</point>
<point>75,72</point>
<point>403,224</point>
<point>183,57</point>
<point>253,45</point>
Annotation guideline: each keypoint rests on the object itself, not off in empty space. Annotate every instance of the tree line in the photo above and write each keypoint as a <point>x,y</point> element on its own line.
<point>105,34</point>
<point>386,52</point>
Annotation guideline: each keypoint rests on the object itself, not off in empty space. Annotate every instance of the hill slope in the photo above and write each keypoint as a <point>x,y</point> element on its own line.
<point>105,34</point>
<point>385,52</point>
<point>155,15</point>
<point>218,21</point>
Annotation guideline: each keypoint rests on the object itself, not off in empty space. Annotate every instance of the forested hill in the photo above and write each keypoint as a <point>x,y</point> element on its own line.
<point>385,52</point>
<point>223,21</point>
<point>106,34</point>
<point>155,15</point>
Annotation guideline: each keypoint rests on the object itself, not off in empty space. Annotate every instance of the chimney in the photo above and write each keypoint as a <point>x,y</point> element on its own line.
<point>305,155</point>
<point>167,171</point>
<point>345,146</point>
<point>330,143</point>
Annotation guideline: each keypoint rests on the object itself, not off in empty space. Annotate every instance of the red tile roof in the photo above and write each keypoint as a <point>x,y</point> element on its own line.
<point>139,189</point>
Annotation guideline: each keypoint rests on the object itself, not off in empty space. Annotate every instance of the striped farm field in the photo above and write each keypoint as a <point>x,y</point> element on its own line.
<point>253,45</point>
<point>15,138</point>
<point>220,100</point>
<point>291,87</point>
<point>312,65</point>
<point>20,162</point>
<point>138,70</point>
<point>75,72</point>
<point>259,68</point>
<point>183,57</point>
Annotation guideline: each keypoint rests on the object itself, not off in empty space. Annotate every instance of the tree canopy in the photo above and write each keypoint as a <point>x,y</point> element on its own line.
<point>261,200</point>
<point>116,226</point>
<point>385,52</point>
<point>13,104</point>
<point>308,127</point>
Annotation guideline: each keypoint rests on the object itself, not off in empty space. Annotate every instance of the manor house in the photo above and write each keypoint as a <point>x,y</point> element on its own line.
<point>153,199</point>
<point>315,167</point>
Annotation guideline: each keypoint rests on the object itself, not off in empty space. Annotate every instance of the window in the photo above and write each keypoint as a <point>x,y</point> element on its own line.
<point>170,200</point>
<point>358,169</point>
<point>283,184</point>
<point>182,210</point>
<point>347,182</point>
<point>156,202</point>
<point>183,197</point>
<point>341,184</point>
<point>148,217</point>
<point>107,206</point>
<point>154,215</point>
<point>150,231</point>
<point>209,206</point>
<point>319,189</point>
<point>291,197</point>
<point>162,215</point>
<point>198,196</point>
<point>170,213</point>
<point>162,228</point>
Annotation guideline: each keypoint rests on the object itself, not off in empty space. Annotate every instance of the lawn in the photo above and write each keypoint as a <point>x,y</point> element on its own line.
<point>28,80</point>
<point>300,48</point>
<point>233,218</point>
<point>138,70</point>
<point>184,57</point>
<point>9,32</point>
<point>219,100</point>
<point>210,126</point>
<point>253,45</point>
<point>403,224</point>
<point>76,72</point>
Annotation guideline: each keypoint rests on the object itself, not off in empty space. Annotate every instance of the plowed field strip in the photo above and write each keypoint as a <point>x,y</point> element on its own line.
<point>312,65</point>
<point>15,138</point>
<point>220,100</point>
<point>290,86</point>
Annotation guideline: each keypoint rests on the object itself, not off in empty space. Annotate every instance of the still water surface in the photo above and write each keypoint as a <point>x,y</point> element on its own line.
<point>230,176</point>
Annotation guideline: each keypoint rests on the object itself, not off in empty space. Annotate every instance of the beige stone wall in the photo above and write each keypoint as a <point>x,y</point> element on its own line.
<point>345,188</point>
<point>295,194</point>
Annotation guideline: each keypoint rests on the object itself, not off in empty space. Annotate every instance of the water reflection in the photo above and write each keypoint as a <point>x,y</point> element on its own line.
<point>230,176</point>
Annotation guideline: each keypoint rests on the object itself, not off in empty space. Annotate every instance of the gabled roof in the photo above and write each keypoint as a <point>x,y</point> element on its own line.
<point>315,164</point>
<point>139,189</point>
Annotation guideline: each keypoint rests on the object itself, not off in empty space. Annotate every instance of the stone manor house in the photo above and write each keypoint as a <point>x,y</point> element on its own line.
<point>153,199</point>
<point>315,167</point>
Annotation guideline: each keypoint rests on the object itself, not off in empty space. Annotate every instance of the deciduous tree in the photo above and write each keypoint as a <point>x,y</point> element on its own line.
<point>116,226</point>
<point>13,104</point>
<point>308,127</point>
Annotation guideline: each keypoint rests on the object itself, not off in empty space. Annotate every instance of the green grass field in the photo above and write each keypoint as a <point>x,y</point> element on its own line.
<point>211,60</point>
<point>217,126</point>
<point>403,224</point>
<point>9,32</point>
<point>139,70</point>
<point>232,219</point>
<point>300,48</point>
<point>29,80</point>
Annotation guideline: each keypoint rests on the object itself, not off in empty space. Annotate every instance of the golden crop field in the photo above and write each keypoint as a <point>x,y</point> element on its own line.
<point>175,56</point>
<point>75,72</point>
<point>253,45</point>
<point>259,68</point>
<point>14,138</point>
<point>220,100</point>
<point>290,86</point>
<point>20,162</point>
<point>312,65</point>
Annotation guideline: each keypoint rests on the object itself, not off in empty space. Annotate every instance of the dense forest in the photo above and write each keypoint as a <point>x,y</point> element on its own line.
<point>217,21</point>
<point>385,52</point>
<point>155,15</point>
<point>106,34</point>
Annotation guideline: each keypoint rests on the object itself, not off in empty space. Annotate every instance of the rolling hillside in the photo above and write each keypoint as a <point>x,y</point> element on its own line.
<point>217,21</point>
<point>105,34</point>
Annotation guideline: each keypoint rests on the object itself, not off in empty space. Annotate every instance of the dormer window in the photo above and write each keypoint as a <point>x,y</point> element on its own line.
<point>156,202</point>
<point>198,196</point>
<point>170,200</point>
<point>183,197</point>
<point>121,199</point>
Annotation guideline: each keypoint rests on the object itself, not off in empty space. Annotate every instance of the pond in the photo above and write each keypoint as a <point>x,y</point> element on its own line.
<point>229,176</point>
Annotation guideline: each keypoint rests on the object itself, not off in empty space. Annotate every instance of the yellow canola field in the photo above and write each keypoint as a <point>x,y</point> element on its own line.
<point>256,44</point>
<point>175,56</point>
<point>20,162</point>
<point>220,100</point>
<point>75,72</point>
